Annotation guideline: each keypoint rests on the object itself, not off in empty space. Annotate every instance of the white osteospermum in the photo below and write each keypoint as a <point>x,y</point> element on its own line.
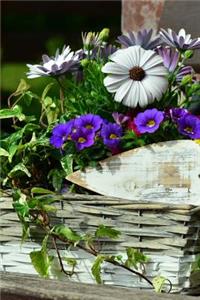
<point>136,76</point>
<point>57,65</point>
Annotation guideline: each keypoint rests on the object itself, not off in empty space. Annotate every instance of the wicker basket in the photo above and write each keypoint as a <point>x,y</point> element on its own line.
<point>168,234</point>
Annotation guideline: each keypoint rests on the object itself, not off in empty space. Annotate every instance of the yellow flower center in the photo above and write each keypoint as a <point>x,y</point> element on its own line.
<point>81,140</point>
<point>151,123</point>
<point>188,129</point>
<point>88,126</point>
<point>112,136</point>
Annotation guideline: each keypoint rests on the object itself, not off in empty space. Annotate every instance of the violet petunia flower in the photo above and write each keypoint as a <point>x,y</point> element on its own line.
<point>189,125</point>
<point>111,134</point>
<point>143,38</point>
<point>61,133</point>
<point>83,139</point>
<point>176,113</point>
<point>180,41</point>
<point>120,118</point>
<point>89,122</point>
<point>63,62</point>
<point>170,57</point>
<point>149,120</point>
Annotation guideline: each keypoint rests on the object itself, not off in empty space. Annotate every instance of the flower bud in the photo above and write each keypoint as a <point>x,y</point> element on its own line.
<point>84,62</point>
<point>188,54</point>
<point>186,79</point>
<point>104,34</point>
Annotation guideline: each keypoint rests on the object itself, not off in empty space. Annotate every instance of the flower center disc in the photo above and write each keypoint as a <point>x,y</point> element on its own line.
<point>136,73</point>
<point>113,136</point>
<point>81,140</point>
<point>189,129</point>
<point>151,123</point>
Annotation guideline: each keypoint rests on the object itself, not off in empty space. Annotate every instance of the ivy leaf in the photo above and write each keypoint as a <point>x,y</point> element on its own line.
<point>135,257</point>
<point>67,164</point>
<point>19,168</point>
<point>67,233</point>
<point>105,231</point>
<point>158,283</point>
<point>56,176</point>
<point>39,190</point>
<point>196,264</point>
<point>14,112</point>
<point>41,260</point>
<point>45,92</point>
<point>20,204</point>
<point>96,268</point>
<point>3,152</point>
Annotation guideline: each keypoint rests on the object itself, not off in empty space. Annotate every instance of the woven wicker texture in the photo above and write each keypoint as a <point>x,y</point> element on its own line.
<point>168,234</point>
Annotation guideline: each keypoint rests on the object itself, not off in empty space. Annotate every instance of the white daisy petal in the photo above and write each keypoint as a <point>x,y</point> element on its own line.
<point>123,90</point>
<point>112,83</point>
<point>114,68</point>
<point>158,70</point>
<point>151,83</point>
<point>122,59</point>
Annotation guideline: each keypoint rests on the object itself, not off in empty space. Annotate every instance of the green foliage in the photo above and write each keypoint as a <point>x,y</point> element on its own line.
<point>196,264</point>
<point>135,258</point>
<point>159,283</point>
<point>41,260</point>
<point>14,112</point>
<point>67,233</point>
<point>105,231</point>
<point>96,268</point>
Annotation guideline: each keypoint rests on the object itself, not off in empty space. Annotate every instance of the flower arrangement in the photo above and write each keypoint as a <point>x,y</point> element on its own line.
<point>103,99</point>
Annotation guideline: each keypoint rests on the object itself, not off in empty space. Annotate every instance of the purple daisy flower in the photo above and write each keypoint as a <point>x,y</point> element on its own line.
<point>83,139</point>
<point>186,70</point>
<point>89,122</point>
<point>59,64</point>
<point>149,120</point>
<point>120,118</point>
<point>170,57</point>
<point>61,133</point>
<point>103,52</point>
<point>143,38</point>
<point>176,113</point>
<point>181,40</point>
<point>189,125</point>
<point>111,134</point>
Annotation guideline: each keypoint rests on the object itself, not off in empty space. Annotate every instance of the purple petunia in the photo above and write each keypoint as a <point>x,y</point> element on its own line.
<point>142,38</point>
<point>83,138</point>
<point>111,134</point>
<point>61,133</point>
<point>149,120</point>
<point>176,113</point>
<point>120,118</point>
<point>170,57</point>
<point>189,125</point>
<point>89,122</point>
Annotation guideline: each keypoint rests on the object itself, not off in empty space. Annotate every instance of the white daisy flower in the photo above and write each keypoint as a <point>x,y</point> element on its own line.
<point>136,76</point>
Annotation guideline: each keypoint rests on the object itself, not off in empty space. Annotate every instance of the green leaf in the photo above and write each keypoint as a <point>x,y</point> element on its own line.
<point>67,164</point>
<point>56,177</point>
<point>135,257</point>
<point>96,268</point>
<point>196,264</point>
<point>70,261</point>
<point>39,190</point>
<point>19,168</point>
<point>105,231</point>
<point>67,233</point>
<point>20,204</point>
<point>14,112</point>
<point>41,260</point>
<point>3,152</point>
<point>158,283</point>
<point>22,87</point>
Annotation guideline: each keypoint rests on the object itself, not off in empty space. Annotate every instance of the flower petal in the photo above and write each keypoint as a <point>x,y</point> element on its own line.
<point>114,68</point>
<point>123,90</point>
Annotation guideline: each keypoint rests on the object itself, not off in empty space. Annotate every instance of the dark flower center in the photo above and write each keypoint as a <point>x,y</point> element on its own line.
<point>89,126</point>
<point>137,73</point>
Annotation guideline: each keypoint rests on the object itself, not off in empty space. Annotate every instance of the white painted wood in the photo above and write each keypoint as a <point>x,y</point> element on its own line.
<point>164,172</point>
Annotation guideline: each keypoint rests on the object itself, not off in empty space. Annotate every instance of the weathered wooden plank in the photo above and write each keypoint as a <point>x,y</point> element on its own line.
<point>165,172</point>
<point>30,287</point>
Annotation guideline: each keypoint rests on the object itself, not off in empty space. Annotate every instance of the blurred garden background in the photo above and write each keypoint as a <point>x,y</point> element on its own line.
<point>32,28</point>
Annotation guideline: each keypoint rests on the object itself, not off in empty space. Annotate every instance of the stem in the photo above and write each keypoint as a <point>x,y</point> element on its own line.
<point>60,258</point>
<point>62,95</point>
